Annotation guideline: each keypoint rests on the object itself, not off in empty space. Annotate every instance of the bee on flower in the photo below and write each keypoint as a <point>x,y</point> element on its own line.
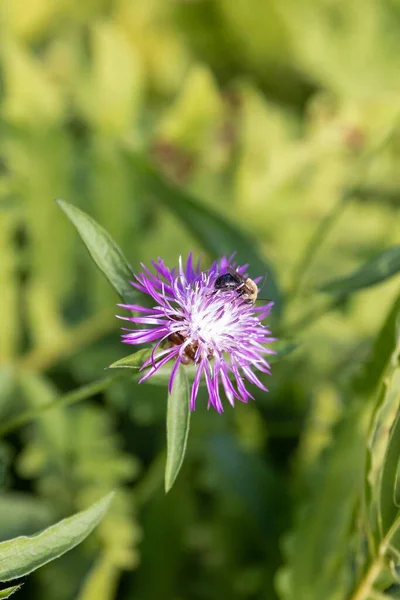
<point>206,318</point>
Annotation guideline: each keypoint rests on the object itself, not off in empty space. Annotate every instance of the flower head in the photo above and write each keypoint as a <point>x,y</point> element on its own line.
<point>193,321</point>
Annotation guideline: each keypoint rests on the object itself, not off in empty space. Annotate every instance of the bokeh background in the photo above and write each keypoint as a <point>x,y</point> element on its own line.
<point>283,117</point>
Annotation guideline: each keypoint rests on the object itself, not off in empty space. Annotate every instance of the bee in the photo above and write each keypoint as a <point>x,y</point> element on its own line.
<point>232,281</point>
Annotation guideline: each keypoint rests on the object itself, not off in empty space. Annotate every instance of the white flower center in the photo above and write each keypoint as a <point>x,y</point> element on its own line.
<point>212,320</point>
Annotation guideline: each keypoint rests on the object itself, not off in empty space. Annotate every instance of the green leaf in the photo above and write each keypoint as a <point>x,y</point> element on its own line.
<point>379,195</point>
<point>101,581</point>
<point>282,349</point>
<point>3,471</point>
<point>384,448</point>
<point>214,231</point>
<point>104,251</point>
<point>382,267</point>
<point>384,345</point>
<point>10,591</point>
<point>22,555</point>
<point>86,391</point>
<point>388,501</point>
<point>319,555</point>
<point>178,422</point>
<point>132,361</point>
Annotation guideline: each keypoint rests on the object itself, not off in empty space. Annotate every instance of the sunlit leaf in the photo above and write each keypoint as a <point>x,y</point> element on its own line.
<point>20,556</point>
<point>382,267</point>
<point>101,581</point>
<point>367,379</point>
<point>104,251</point>
<point>132,361</point>
<point>388,501</point>
<point>36,383</point>
<point>10,591</point>
<point>384,447</point>
<point>218,235</point>
<point>380,195</point>
<point>318,558</point>
<point>178,422</point>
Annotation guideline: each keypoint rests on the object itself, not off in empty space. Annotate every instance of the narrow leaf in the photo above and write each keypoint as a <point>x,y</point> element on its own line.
<point>22,555</point>
<point>318,555</point>
<point>10,591</point>
<point>104,251</point>
<point>178,422</point>
<point>86,391</point>
<point>379,355</point>
<point>389,502</point>
<point>214,231</point>
<point>382,267</point>
<point>282,349</point>
<point>384,448</point>
<point>132,361</point>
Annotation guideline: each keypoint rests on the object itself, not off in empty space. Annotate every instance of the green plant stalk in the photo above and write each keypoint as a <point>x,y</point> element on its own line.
<point>315,243</point>
<point>77,395</point>
<point>364,590</point>
<point>332,217</point>
<point>82,335</point>
<point>308,318</point>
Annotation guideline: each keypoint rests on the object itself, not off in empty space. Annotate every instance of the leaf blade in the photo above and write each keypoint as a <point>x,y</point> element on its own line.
<point>22,555</point>
<point>384,447</point>
<point>132,361</point>
<point>103,250</point>
<point>382,267</point>
<point>10,591</point>
<point>178,424</point>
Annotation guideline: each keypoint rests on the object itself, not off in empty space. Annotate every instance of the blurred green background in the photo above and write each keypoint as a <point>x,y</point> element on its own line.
<point>283,117</point>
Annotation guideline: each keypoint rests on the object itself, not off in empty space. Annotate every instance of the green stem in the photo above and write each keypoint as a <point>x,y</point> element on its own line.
<point>78,337</point>
<point>333,215</point>
<point>315,243</point>
<point>81,393</point>
<point>308,318</point>
<point>364,590</point>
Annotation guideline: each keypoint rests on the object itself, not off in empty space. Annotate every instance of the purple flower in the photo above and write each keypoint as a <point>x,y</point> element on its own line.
<point>220,331</point>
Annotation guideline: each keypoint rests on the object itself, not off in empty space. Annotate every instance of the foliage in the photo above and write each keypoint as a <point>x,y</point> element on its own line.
<point>269,128</point>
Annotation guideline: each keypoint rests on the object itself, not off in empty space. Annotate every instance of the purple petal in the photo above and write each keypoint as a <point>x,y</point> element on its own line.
<point>173,374</point>
<point>195,386</point>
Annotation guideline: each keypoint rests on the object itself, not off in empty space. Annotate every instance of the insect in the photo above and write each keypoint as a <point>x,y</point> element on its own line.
<point>234,281</point>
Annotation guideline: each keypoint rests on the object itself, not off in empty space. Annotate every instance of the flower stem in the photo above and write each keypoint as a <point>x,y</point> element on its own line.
<point>315,243</point>
<point>363,592</point>
<point>96,327</point>
<point>331,218</point>
<point>86,391</point>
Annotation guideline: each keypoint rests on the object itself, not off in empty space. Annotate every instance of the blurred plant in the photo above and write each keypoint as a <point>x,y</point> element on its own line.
<point>279,119</point>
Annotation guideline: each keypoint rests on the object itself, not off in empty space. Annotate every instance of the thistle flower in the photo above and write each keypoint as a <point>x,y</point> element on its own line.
<point>192,322</point>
